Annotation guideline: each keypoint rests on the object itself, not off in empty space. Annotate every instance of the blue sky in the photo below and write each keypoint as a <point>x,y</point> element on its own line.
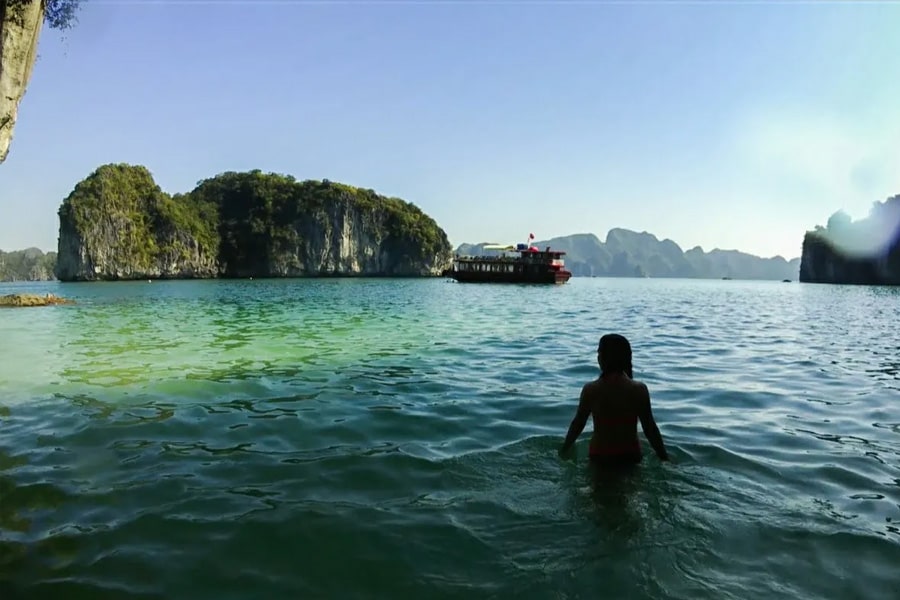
<point>731,125</point>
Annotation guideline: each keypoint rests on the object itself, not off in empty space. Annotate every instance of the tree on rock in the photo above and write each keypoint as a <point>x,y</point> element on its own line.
<point>58,14</point>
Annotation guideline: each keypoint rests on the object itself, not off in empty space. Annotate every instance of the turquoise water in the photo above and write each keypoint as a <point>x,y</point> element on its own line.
<point>397,439</point>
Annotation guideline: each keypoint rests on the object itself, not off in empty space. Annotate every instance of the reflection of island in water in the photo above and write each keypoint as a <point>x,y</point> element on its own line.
<point>861,339</point>
<point>855,252</point>
<point>130,345</point>
<point>883,347</point>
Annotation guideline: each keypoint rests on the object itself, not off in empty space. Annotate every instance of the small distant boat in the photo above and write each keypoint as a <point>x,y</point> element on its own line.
<point>785,281</point>
<point>522,263</point>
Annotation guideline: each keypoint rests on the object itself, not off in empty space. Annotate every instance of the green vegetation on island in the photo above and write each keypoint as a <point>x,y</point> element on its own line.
<point>119,224</point>
<point>629,253</point>
<point>58,14</point>
<point>31,264</point>
<point>864,252</point>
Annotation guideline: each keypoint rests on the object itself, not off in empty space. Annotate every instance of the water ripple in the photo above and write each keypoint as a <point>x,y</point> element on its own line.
<point>227,439</point>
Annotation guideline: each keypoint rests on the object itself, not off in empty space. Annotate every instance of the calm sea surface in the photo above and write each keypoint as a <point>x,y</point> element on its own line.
<point>397,439</point>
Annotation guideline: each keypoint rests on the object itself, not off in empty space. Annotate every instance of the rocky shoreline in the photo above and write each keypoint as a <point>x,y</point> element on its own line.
<point>25,300</point>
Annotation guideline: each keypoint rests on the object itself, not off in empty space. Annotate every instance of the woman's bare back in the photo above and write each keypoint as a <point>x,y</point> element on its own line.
<point>614,405</point>
<point>616,401</point>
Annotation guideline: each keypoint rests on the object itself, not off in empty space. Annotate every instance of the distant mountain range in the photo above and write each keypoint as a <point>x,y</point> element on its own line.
<point>30,264</point>
<point>625,253</point>
<point>628,253</point>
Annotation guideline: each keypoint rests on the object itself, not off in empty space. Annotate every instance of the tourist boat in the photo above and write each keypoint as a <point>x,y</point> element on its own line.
<point>522,263</point>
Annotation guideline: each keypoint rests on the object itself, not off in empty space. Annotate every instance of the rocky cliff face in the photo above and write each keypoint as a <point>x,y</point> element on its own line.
<point>865,252</point>
<point>118,224</point>
<point>101,251</point>
<point>341,238</point>
<point>20,28</point>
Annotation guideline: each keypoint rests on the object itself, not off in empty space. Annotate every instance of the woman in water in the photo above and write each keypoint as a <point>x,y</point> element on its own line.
<point>617,402</point>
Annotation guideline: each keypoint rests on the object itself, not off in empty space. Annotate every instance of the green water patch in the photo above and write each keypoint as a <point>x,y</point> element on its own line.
<point>225,439</point>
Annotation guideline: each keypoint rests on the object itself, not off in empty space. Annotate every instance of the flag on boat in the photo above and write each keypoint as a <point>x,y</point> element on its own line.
<point>530,236</point>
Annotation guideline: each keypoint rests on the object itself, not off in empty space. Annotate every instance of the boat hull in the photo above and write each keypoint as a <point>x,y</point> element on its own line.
<point>549,277</point>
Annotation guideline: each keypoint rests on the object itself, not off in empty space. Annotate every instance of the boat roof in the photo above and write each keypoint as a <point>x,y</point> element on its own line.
<point>520,251</point>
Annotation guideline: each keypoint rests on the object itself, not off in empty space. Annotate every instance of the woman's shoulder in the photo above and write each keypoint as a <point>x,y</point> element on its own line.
<point>591,385</point>
<point>639,386</point>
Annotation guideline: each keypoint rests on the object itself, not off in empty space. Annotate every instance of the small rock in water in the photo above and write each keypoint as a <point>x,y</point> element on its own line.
<point>13,300</point>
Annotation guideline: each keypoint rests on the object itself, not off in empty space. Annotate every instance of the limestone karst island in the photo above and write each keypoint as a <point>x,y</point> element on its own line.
<point>863,252</point>
<point>118,224</point>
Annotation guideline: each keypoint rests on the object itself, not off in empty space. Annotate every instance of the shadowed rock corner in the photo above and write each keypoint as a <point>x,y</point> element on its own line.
<point>20,28</point>
<point>17,300</point>
<point>862,252</point>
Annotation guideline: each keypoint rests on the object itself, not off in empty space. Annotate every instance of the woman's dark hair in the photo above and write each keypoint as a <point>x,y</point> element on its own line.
<point>614,353</point>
